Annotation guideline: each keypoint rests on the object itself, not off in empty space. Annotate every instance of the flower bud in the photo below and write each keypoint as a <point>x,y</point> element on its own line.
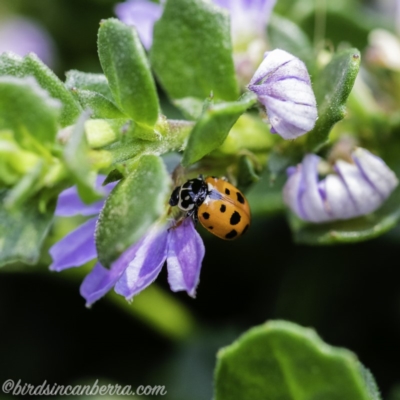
<point>283,86</point>
<point>352,190</point>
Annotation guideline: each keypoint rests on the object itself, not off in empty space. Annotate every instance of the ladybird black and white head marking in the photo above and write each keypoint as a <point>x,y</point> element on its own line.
<point>190,195</point>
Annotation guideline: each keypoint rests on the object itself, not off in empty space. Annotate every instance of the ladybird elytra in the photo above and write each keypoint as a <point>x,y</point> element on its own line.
<point>225,212</point>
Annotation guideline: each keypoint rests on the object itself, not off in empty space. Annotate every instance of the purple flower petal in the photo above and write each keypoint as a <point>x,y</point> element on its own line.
<point>142,14</point>
<point>311,200</point>
<point>185,255</point>
<point>22,36</point>
<point>70,204</point>
<point>283,86</point>
<point>375,171</point>
<point>364,196</point>
<point>248,17</point>
<point>273,60</point>
<point>143,262</point>
<point>100,280</point>
<point>75,249</point>
<point>338,201</point>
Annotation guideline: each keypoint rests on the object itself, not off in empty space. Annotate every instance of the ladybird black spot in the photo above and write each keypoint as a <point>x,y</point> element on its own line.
<point>210,227</point>
<point>222,208</point>
<point>245,229</point>
<point>235,218</point>
<point>231,234</point>
<point>206,215</point>
<point>240,197</point>
<point>227,191</point>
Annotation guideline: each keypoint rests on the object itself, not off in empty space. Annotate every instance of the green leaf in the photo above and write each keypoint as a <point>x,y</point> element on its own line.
<point>190,107</point>
<point>29,112</point>
<point>213,127</point>
<point>76,158</point>
<point>22,231</point>
<point>282,360</point>
<point>370,383</point>
<point>135,203</point>
<point>286,35</point>
<point>128,149</point>
<point>332,88</point>
<point>192,51</point>
<point>86,81</point>
<point>127,69</point>
<point>100,106</point>
<point>30,65</point>
<point>349,231</point>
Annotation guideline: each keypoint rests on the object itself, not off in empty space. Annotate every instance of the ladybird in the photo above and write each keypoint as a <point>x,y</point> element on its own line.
<point>219,206</point>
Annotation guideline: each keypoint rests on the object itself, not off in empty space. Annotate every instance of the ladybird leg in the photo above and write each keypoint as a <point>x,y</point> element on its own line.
<point>194,216</point>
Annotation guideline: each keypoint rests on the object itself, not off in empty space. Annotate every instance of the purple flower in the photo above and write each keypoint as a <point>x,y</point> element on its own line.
<point>283,86</point>
<point>181,246</point>
<point>142,14</point>
<point>353,189</point>
<point>22,36</point>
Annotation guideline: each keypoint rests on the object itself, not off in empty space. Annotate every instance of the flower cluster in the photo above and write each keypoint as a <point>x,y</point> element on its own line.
<point>136,268</point>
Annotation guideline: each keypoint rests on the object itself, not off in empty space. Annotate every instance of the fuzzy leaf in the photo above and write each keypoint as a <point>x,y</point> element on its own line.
<point>127,69</point>
<point>282,360</point>
<point>30,65</point>
<point>86,81</point>
<point>76,159</point>
<point>192,51</point>
<point>213,127</point>
<point>135,203</point>
<point>29,112</point>
<point>22,231</point>
<point>100,106</point>
<point>350,231</point>
<point>130,147</point>
<point>332,88</point>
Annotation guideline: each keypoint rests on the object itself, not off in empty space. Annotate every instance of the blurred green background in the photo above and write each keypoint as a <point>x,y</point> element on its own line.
<point>350,293</point>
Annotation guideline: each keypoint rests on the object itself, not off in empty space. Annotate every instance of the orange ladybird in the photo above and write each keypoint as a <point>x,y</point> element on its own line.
<point>218,205</point>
